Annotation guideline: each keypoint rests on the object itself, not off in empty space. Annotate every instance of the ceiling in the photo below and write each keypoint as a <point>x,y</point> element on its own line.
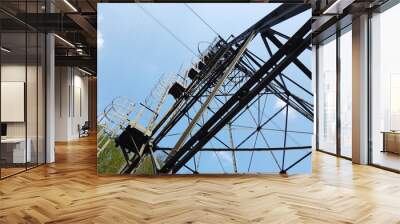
<point>75,23</point>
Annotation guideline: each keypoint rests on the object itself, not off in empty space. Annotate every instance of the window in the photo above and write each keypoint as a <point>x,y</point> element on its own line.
<point>327,96</point>
<point>385,89</point>
<point>346,93</point>
<point>22,88</point>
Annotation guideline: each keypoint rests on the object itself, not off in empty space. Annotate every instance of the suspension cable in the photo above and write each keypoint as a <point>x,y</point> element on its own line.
<point>166,29</point>
<point>207,24</point>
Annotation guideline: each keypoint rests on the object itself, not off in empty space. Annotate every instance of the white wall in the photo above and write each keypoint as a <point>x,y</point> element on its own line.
<point>80,110</point>
<point>12,73</point>
<point>61,103</point>
<point>71,94</point>
<point>17,73</point>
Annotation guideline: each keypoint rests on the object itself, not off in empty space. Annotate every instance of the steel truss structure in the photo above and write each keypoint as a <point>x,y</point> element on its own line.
<point>235,104</point>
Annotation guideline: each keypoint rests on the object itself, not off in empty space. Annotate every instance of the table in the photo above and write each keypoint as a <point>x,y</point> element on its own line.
<point>391,141</point>
<point>13,150</point>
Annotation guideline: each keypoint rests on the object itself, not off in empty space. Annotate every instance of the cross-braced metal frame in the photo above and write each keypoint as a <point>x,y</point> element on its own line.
<point>234,104</point>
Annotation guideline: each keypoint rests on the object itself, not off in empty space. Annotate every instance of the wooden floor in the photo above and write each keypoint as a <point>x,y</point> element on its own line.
<point>70,191</point>
<point>387,159</point>
<point>5,172</point>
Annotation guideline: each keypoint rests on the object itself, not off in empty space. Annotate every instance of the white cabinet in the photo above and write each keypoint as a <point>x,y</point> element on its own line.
<point>19,155</point>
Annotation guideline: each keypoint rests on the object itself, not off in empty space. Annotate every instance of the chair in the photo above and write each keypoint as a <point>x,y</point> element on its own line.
<point>84,130</point>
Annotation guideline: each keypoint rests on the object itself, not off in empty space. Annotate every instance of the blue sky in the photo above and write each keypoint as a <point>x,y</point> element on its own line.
<point>134,51</point>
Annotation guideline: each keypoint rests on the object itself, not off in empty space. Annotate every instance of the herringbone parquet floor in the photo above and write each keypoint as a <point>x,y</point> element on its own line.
<point>70,191</point>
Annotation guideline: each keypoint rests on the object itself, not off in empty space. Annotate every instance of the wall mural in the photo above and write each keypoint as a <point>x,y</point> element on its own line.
<point>204,88</point>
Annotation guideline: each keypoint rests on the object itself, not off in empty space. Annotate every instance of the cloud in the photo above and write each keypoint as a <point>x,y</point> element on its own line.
<point>280,103</point>
<point>225,156</point>
<point>100,40</point>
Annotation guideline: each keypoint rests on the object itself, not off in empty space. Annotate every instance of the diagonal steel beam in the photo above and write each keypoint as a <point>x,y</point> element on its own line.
<point>278,15</point>
<point>192,148</point>
<point>281,92</point>
<point>267,73</point>
<point>206,103</point>
<point>282,35</point>
<point>297,62</point>
<point>212,75</point>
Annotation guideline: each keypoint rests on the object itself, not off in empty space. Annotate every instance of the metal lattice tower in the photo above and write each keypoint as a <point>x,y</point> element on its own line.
<point>114,117</point>
<point>236,106</point>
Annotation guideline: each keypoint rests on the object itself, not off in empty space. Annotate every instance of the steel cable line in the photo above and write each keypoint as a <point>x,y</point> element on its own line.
<point>166,29</point>
<point>208,25</point>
